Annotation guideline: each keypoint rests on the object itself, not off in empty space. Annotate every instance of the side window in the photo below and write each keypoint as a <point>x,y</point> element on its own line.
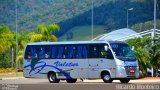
<point>105,54</point>
<point>54,52</point>
<point>60,51</point>
<point>47,52</point>
<point>74,51</point>
<point>70,52</point>
<point>79,51</point>
<point>42,52</point>
<point>39,52</point>
<point>28,53</point>
<point>93,51</point>
<point>34,52</point>
<point>109,54</point>
<point>65,52</point>
<point>85,52</point>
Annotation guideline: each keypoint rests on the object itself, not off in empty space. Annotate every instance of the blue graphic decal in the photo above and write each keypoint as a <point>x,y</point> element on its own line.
<point>127,63</point>
<point>42,64</point>
<point>101,61</point>
<point>58,63</point>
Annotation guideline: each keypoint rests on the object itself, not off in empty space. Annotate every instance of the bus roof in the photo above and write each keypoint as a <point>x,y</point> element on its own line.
<point>72,42</point>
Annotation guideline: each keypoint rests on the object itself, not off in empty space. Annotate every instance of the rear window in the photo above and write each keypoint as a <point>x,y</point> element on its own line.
<point>28,53</point>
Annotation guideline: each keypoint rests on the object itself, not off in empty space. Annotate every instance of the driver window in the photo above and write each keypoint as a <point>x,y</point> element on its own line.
<point>109,54</point>
<point>106,54</point>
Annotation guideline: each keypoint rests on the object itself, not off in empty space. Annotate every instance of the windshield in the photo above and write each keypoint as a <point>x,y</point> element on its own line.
<point>123,51</point>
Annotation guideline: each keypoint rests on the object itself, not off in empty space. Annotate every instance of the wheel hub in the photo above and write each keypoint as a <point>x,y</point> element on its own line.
<point>106,77</point>
<point>52,77</point>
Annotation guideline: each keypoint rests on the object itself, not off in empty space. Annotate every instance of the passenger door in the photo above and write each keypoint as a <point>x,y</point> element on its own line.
<point>93,61</point>
<point>82,53</point>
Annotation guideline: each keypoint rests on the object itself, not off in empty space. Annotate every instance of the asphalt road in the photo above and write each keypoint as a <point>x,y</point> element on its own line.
<point>43,84</point>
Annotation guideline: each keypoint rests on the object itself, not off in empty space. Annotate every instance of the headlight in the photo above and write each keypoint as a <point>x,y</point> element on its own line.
<point>122,67</point>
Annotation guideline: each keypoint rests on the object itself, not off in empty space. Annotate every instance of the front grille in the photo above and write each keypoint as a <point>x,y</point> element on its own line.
<point>128,68</point>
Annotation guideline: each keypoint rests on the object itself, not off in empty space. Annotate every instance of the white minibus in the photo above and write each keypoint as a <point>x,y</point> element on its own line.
<point>107,60</point>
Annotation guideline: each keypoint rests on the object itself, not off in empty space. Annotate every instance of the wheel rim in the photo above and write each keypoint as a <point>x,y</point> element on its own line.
<point>106,77</point>
<point>52,77</point>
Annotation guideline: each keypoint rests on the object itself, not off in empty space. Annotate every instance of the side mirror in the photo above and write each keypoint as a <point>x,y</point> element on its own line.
<point>132,48</point>
<point>106,48</point>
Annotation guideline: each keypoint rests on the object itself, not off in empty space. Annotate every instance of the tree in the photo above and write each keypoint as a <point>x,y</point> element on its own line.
<point>45,33</point>
<point>141,51</point>
<point>155,55</point>
<point>147,52</point>
<point>6,38</point>
<point>20,58</point>
<point>109,24</point>
<point>23,38</point>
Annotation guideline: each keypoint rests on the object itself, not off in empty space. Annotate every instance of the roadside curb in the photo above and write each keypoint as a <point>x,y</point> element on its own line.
<point>12,78</point>
<point>131,81</point>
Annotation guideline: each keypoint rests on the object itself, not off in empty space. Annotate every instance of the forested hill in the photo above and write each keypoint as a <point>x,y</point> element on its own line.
<point>32,12</point>
<point>71,13</point>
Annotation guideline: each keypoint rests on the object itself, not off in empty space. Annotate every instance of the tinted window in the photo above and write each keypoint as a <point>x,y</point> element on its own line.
<point>28,53</point>
<point>40,52</point>
<point>60,51</point>
<point>123,51</point>
<point>79,51</point>
<point>94,51</point>
<point>105,54</point>
<point>85,51</point>
<point>65,52</point>
<point>34,52</point>
<point>54,51</point>
<point>45,51</point>
<point>72,51</point>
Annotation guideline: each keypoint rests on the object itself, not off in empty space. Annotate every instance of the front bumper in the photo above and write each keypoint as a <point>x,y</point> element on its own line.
<point>124,72</point>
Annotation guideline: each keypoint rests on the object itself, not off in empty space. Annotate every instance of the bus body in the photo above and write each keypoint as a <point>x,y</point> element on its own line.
<point>69,61</point>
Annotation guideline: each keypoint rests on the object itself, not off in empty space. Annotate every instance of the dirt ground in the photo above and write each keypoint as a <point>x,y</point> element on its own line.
<point>149,78</point>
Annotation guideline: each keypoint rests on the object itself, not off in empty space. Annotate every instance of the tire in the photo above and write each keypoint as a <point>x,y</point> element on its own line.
<point>52,78</point>
<point>71,80</point>
<point>106,78</point>
<point>124,80</point>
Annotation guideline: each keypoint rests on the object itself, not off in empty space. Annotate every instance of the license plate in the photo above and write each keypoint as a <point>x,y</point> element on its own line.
<point>131,71</point>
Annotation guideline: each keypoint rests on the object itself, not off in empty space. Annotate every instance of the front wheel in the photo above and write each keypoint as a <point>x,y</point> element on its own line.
<point>106,78</point>
<point>124,80</point>
<point>71,80</point>
<point>52,78</point>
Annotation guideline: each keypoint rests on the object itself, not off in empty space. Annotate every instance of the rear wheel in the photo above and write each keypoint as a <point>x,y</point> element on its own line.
<point>106,77</point>
<point>52,78</point>
<point>124,80</point>
<point>71,80</point>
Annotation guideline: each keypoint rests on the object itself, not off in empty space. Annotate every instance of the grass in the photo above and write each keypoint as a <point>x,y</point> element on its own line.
<point>83,33</point>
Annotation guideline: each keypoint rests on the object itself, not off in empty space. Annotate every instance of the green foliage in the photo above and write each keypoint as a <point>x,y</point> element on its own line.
<point>82,33</point>
<point>148,54</point>
<point>45,33</point>
<point>8,42</point>
<point>110,13</point>
<point>145,26</point>
<point>141,52</point>
<point>155,54</point>
<point>23,38</point>
<point>20,55</point>
<point>7,39</point>
<point>143,58</point>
